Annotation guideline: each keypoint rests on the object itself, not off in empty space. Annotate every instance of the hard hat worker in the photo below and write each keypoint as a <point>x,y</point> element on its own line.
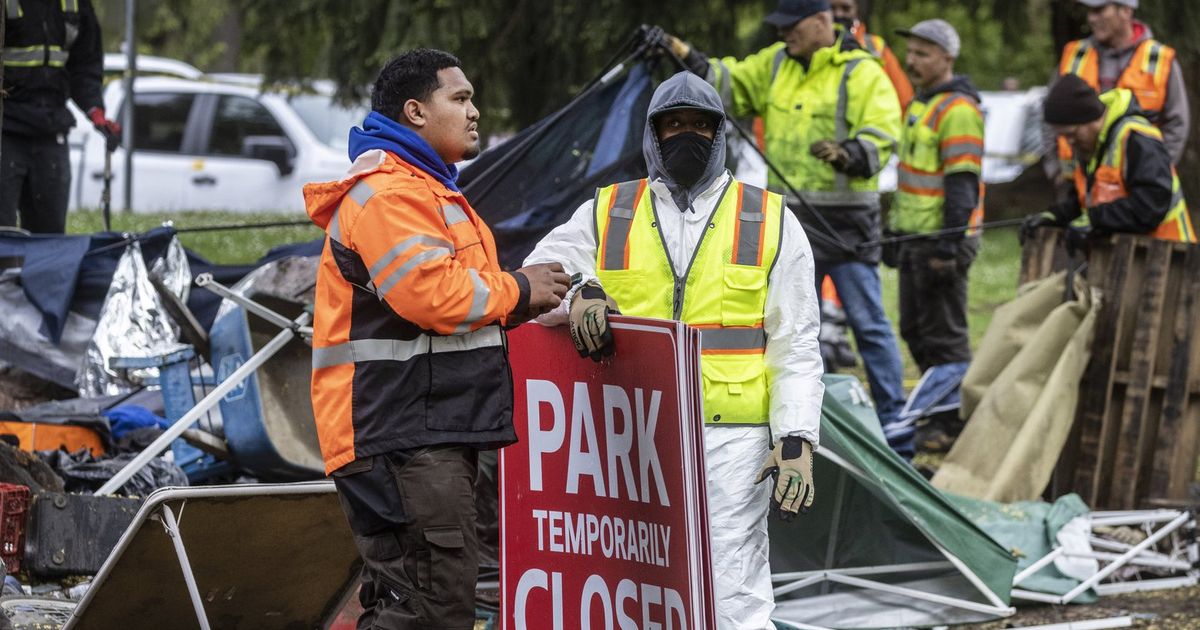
<point>692,243</point>
<point>410,374</point>
<point>831,121</point>
<point>52,52</point>
<point>1124,179</point>
<point>845,12</point>
<point>941,161</point>
<point>1121,53</point>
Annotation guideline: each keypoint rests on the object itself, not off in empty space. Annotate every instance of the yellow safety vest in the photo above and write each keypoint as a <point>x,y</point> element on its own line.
<point>723,292</point>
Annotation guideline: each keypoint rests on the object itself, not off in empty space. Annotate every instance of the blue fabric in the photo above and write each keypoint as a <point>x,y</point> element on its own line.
<point>938,391</point>
<point>126,418</point>
<point>49,270</point>
<point>859,288</point>
<point>380,132</point>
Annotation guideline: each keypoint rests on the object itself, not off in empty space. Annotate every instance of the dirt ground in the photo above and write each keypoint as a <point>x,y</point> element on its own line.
<point>1175,609</point>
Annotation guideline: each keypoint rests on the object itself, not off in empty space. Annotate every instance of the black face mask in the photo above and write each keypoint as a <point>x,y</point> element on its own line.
<point>685,156</point>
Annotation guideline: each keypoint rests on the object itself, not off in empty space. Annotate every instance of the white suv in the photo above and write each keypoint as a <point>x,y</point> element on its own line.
<point>216,144</point>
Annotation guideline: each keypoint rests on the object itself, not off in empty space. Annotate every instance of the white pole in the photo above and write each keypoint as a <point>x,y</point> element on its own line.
<point>1120,562</point>
<point>201,408</point>
<point>172,528</point>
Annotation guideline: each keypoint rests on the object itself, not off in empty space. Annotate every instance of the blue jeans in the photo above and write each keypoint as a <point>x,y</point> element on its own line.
<point>862,298</point>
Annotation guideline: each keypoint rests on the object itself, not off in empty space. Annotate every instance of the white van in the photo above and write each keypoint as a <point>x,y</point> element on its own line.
<point>222,145</point>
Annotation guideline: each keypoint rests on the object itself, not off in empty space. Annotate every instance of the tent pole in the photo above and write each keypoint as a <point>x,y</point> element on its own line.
<point>1127,556</point>
<point>1037,566</point>
<point>974,579</point>
<point>798,584</point>
<point>1000,611</point>
<point>172,527</point>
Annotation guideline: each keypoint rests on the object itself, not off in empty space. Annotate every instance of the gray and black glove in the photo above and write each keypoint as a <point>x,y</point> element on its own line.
<point>588,321</point>
<point>791,465</point>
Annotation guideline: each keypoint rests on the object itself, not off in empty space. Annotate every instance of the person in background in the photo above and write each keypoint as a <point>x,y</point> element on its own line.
<point>1122,53</point>
<point>52,52</point>
<point>941,162</point>
<point>1124,179</point>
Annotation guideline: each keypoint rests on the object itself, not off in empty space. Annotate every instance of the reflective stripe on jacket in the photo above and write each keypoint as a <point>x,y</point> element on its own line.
<point>407,345</point>
<point>723,292</point>
<point>52,53</point>
<point>1147,77</point>
<point>1103,181</point>
<point>942,136</point>
<point>842,95</point>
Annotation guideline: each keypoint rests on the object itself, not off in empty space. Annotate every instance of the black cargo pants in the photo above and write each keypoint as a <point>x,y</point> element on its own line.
<point>933,305</point>
<point>413,517</point>
<point>35,183</point>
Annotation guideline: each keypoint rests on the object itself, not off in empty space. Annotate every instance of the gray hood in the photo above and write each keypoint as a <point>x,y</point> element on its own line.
<point>685,90</point>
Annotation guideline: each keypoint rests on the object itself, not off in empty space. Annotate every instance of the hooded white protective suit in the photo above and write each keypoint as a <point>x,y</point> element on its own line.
<point>733,454</point>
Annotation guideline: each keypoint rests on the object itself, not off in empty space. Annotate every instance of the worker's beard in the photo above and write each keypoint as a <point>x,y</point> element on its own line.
<point>685,157</point>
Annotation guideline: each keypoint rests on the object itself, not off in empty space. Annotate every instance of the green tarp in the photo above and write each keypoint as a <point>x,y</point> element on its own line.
<point>877,519</point>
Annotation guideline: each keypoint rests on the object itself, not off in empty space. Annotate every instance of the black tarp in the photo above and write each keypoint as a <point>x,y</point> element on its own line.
<point>531,183</point>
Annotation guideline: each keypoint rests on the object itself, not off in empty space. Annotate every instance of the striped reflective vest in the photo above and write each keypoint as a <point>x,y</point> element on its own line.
<point>1147,76</point>
<point>723,291</point>
<point>942,136</point>
<point>49,51</point>
<point>407,345</point>
<point>1103,181</point>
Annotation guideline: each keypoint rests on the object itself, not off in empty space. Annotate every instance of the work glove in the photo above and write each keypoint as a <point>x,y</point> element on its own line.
<point>659,41</point>
<point>110,129</point>
<point>588,321</point>
<point>1033,222</point>
<point>832,152</point>
<point>790,464</point>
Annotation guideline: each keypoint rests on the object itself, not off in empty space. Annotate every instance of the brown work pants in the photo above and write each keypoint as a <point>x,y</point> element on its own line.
<point>413,516</point>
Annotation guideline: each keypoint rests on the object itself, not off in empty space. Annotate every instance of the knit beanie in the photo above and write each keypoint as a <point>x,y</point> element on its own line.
<point>1072,102</point>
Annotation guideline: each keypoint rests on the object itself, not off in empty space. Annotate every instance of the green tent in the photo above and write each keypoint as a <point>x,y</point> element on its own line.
<point>881,547</point>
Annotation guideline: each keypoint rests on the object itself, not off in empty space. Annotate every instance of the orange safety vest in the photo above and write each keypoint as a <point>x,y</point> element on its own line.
<point>1147,76</point>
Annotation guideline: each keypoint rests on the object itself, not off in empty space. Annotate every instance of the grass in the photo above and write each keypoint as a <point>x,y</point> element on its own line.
<point>226,247</point>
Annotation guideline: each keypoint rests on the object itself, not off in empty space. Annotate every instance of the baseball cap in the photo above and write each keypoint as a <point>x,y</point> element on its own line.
<point>791,11</point>
<point>937,31</point>
<point>1100,3</point>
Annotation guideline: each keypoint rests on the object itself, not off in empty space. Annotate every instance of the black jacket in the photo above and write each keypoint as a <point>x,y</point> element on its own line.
<point>60,57</point>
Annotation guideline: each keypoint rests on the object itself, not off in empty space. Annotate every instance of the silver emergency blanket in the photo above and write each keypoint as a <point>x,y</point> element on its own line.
<point>173,270</point>
<point>133,322</point>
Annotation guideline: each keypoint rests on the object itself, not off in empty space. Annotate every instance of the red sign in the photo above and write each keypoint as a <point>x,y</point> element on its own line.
<point>603,516</point>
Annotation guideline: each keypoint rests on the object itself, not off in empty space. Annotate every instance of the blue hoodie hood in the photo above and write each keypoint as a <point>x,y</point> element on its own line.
<point>380,132</point>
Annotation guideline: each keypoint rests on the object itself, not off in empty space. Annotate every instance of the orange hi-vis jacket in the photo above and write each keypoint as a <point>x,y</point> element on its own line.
<point>876,45</point>
<point>1147,76</point>
<point>408,348</point>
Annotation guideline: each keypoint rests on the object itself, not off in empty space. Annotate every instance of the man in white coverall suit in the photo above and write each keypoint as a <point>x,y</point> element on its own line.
<point>692,243</point>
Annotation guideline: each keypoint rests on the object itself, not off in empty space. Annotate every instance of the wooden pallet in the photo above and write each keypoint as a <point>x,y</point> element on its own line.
<point>1136,435</point>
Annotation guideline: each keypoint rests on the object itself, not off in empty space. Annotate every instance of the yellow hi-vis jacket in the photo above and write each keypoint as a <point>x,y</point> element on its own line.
<point>1103,180</point>
<point>723,292</point>
<point>843,94</point>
